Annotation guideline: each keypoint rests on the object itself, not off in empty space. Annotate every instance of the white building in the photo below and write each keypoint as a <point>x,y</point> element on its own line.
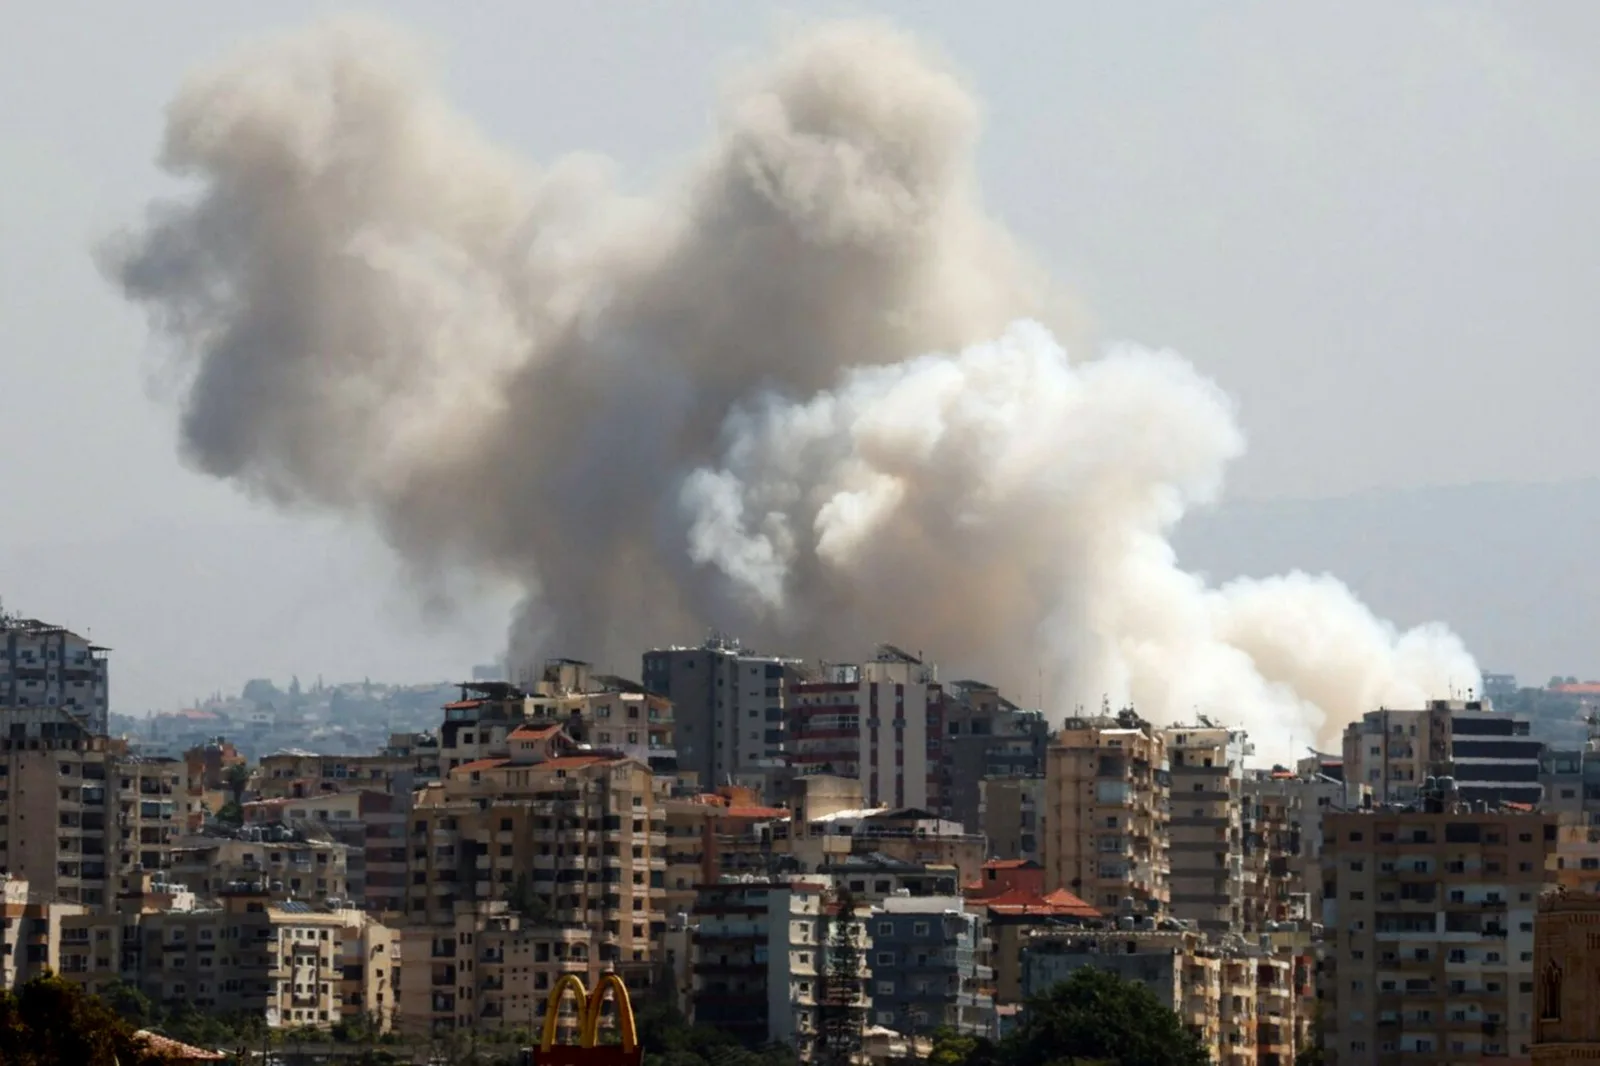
<point>872,722</point>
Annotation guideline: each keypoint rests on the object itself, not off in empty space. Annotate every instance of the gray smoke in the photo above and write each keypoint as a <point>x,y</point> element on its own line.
<point>808,392</point>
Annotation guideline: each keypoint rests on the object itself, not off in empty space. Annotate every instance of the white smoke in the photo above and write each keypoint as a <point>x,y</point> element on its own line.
<point>768,398</point>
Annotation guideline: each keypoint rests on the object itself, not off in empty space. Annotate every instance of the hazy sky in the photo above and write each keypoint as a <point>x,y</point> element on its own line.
<point>1373,223</point>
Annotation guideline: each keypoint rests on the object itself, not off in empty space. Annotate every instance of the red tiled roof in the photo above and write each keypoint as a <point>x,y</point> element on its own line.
<point>1007,864</point>
<point>1059,902</point>
<point>463,705</point>
<point>479,764</point>
<point>533,732</point>
<point>573,762</point>
<point>176,1050</point>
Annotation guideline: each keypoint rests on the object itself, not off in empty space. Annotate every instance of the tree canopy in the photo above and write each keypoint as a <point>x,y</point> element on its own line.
<point>52,1022</point>
<point>1094,1018</point>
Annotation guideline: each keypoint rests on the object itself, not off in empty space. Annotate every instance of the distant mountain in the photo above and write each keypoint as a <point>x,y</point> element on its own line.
<point>1513,568</point>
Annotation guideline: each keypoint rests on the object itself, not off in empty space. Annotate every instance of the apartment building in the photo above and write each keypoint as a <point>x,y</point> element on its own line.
<point>1490,756</point>
<point>1282,827</point>
<point>302,774</point>
<point>1566,1000</point>
<point>1178,967</point>
<point>930,967</point>
<point>714,834</point>
<point>1205,833</point>
<point>287,864</point>
<point>1107,801</point>
<point>487,968</point>
<point>1429,912</point>
<point>872,877</point>
<point>46,668</point>
<point>880,722</point>
<point>290,964</point>
<point>30,932</point>
<point>579,832</point>
<point>370,824</point>
<point>610,712</point>
<point>79,815</point>
<point>1249,1004</point>
<point>906,834</point>
<point>768,954</point>
<point>1011,815</point>
<point>986,736</point>
<point>730,708</point>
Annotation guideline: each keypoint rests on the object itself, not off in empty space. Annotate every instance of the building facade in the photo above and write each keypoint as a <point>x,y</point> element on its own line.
<point>1429,921</point>
<point>1107,794</point>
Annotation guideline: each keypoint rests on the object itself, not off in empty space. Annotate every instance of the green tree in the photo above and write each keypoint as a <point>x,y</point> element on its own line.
<point>53,1022</point>
<point>1097,1017</point>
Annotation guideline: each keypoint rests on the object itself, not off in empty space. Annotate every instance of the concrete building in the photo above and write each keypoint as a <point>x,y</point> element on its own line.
<point>577,830</point>
<point>906,834</point>
<point>289,964</point>
<point>31,936</point>
<point>486,968</point>
<point>727,832</point>
<point>763,951</point>
<point>1011,816</point>
<point>46,668</point>
<point>1566,962</point>
<point>930,967</point>
<point>986,736</point>
<point>1107,797</point>
<point>1490,756</point>
<point>1429,921</point>
<point>880,722</point>
<point>730,707</point>
<point>80,816</point>
<point>1205,834</point>
<point>288,864</point>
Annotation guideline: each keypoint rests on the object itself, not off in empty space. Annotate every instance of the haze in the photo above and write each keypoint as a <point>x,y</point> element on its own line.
<point>1370,224</point>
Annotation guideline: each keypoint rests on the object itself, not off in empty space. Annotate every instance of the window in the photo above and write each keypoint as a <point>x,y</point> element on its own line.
<point>885,958</point>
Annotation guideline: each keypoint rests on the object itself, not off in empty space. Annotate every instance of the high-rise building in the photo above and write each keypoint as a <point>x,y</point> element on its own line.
<point>80,817</point>
<point>571,834</point>
<point>986,735</point>
<point>880,722</point>
<point>1490,756</point>
<point>1205,833</point>
<point>1429,919</point>
<point>764,953</point>
<point>47,668</point>
<point>1106,805</point>
<point>729,707</point>
<point>930,967</point>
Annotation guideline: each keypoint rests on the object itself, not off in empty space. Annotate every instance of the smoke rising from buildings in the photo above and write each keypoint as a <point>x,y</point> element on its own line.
<point>808,392</point>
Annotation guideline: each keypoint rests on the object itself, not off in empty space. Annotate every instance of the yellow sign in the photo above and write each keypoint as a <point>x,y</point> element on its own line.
<point>589,1051</point>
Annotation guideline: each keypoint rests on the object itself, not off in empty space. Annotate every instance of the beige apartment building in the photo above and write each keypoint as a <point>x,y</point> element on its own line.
<point>369,823</point>
<point>290,964</point>
<point>489,969</point>
<point>1107,809</point>
<point>30,932</point>
<point>313,871</point>
<point>725,832</point>
<point>1566,957</point>
<point>1430,932</point>
<point>80,816</point>
<point>576,833</point>
<point>1205,833</point>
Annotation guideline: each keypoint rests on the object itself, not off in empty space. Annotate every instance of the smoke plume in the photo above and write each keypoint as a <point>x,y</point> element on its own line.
<point>808,392</point>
